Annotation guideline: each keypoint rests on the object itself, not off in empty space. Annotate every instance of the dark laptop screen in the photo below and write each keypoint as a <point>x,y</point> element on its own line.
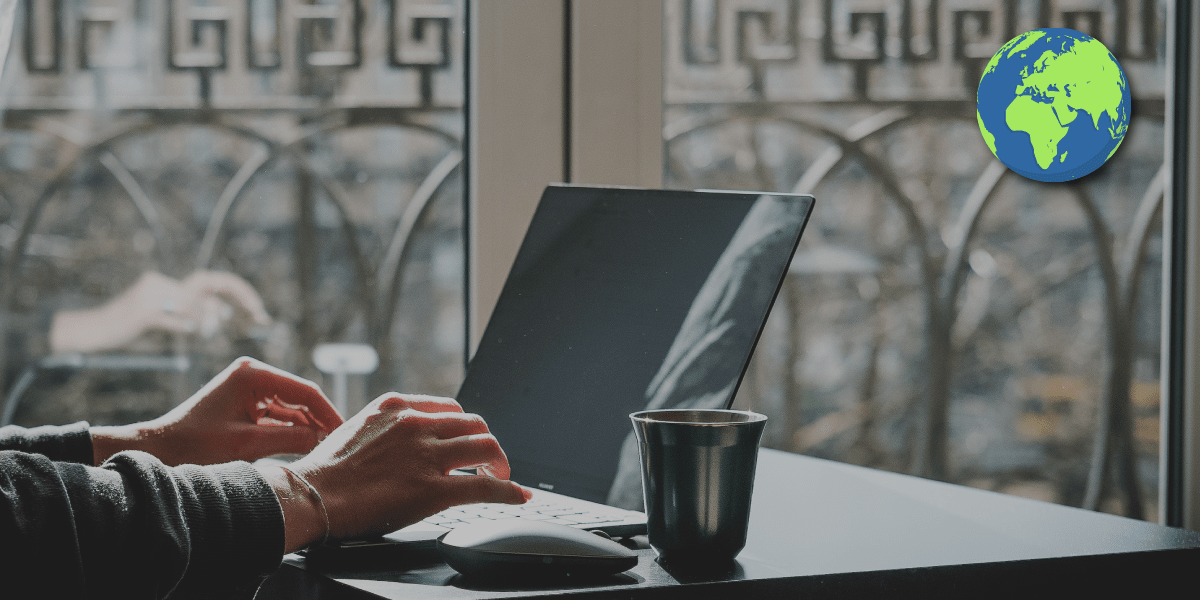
<point>623,299</point>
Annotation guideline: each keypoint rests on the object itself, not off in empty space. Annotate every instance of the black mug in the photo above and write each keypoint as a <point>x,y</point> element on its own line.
<point>697,479</point>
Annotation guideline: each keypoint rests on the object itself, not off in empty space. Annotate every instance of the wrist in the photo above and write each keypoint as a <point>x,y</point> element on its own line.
<point>304,520</point>
<point>92,330</point>
<point>109,440</point>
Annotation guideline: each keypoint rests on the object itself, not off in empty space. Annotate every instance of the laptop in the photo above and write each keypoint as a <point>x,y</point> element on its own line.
<point>619,300</point>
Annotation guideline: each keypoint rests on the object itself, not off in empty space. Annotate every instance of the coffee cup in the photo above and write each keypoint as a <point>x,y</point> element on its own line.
<point>697,479</point>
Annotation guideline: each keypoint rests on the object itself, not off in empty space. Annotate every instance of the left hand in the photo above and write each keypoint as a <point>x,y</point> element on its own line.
<point>248,411</point>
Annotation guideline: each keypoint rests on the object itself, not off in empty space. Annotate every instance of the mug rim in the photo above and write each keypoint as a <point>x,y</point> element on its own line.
<point>645,416</point>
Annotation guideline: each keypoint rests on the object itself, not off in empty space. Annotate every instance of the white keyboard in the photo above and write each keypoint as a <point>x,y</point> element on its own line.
<point>555,509</point>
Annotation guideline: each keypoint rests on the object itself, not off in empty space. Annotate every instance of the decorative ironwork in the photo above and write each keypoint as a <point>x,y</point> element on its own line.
<point>302,118</point>
<point>837,110</point>
<point>412,43</point>
<point>195,54</point>
<point>805,95</point>
<point>263,27</point>
<point>42,26</point>
<point>223,44</point>
<point>728,48</point>
<point>322,21</point>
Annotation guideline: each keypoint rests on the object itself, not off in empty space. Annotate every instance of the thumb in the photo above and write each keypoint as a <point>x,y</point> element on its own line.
<point>283,439</point>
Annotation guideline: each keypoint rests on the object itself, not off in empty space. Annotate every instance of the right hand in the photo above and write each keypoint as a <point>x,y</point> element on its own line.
<point>196,304</point>
<point>200,304</point>
<point>389,465</point>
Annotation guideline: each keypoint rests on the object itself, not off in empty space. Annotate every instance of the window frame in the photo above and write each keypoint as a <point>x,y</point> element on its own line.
<point>1179,463</point>
<point>576,86</point>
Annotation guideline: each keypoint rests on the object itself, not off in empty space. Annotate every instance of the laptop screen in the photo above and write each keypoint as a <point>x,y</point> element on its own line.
<point>621,300</point>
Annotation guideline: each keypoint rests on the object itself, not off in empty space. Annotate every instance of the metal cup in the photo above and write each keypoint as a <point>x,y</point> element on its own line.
<point>697,478</point>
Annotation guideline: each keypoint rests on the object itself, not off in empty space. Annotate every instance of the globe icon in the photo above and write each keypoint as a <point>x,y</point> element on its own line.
<point>1053,104</point>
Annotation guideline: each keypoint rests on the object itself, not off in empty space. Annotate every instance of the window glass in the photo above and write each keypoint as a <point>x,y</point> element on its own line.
<point>311,149</point>
<point>943,316</point>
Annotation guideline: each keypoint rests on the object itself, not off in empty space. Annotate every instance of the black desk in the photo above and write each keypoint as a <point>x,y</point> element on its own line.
<point>821,529</point>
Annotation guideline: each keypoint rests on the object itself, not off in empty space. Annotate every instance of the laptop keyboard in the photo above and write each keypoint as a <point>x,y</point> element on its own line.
<point>549,510</point>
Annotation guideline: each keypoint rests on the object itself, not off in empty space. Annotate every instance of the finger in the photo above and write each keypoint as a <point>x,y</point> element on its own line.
<point>227,286</point>
<point>452,425</point>
<point>230,287</point>
<point>481,488</point>
<point>473,451</point>
<point>154,285</point>
<point>214,309</point>
<point>428,404</point>
<point>266,381</point>
<point>210,313</point>
<point>173,322</point>
<point>289,413</point>
<point>266,440</point>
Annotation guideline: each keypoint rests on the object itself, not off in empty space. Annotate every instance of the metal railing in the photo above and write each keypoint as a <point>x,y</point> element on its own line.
<point>934,298</point>
<point>835,98</point>
<point>346,115</point>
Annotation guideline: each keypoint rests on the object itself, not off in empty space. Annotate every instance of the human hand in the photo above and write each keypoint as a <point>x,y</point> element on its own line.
<point>389,466</point>
<point>201,303</point>
<point>248,411</point>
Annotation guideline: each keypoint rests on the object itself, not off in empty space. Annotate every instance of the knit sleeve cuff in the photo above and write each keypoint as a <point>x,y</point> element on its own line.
<point>236,529</point>
<point>63,443</point>
<point>257,516</point>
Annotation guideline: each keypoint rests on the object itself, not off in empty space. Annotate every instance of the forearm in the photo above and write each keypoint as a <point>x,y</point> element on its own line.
<point>88,330</point>
<point>109,440</point>
<point>303,519</point>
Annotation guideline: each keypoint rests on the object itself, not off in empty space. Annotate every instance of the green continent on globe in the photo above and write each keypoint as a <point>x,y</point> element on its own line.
<point>1039,121</point>
<point>1076,76</point>
<point>987,135</point>
<point>1013,46</point>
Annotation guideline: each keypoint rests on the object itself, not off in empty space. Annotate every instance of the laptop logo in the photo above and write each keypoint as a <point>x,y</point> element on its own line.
<point>546,486</point>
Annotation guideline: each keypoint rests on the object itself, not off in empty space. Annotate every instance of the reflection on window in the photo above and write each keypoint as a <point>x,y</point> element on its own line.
<point>309,150</point>
<point>943,316</point>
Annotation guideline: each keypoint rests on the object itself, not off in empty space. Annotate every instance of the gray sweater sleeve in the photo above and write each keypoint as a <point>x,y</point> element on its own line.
<point>132,527</point>
<point>69,443</point>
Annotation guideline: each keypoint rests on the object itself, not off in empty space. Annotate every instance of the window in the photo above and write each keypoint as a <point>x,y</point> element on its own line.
<point>944,317</point>
<point>984,358</point>
<point>312,148</point>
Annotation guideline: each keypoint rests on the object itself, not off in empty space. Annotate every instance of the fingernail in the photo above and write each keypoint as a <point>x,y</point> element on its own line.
<point>527,494</point>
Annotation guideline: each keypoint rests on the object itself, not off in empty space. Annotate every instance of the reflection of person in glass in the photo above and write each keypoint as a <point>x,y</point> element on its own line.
<point>705,360</point>
<point>50,345</point>
<point>201,303</point>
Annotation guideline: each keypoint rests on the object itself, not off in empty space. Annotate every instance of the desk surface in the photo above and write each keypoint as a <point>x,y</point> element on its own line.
<point>827,529</point>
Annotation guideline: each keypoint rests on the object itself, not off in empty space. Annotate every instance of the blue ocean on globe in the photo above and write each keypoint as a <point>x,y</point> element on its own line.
<point>1053,104</point>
